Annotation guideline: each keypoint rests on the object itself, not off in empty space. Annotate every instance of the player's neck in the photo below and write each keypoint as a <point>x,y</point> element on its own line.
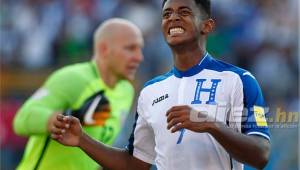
<point>107,76</point>
<point>187,56</point>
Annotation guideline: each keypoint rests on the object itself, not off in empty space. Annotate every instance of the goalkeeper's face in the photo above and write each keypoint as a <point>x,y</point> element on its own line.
<point>126,53</point>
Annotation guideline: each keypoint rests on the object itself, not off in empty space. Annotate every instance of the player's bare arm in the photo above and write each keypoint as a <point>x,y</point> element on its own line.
<point>67,130</point>
<point>256,152</point>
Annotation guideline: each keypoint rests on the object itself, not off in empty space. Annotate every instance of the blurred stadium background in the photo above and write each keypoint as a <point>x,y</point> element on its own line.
<point>39,36</point>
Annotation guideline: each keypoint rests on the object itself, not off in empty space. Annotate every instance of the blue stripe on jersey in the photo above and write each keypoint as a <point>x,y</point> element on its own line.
<point>159,78</point>
<point>192,71</point>
<point>130,146</point>
<point>252,95</point>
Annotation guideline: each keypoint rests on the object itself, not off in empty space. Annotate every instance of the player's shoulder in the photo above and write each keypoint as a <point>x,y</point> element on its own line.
<point>76,69</point>
<point>70,73</point>
<point>155,84</point>
<point>246,78</point>
<point>158,79</point>
<point>73,68</point>
<point>221,66</point>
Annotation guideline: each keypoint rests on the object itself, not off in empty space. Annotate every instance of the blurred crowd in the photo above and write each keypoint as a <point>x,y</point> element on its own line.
<point>259,35</point>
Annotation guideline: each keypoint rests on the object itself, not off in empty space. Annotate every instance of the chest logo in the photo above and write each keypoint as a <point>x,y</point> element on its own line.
<point>211,90</point>
<point>161,98</point>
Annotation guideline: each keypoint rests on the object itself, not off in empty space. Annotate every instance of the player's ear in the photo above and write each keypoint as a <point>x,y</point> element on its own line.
<point>207,26</point>
<point>102,48</point>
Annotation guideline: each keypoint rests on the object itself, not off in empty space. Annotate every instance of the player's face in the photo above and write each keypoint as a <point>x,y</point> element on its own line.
<point>126,53</point>
<point>180,21</point>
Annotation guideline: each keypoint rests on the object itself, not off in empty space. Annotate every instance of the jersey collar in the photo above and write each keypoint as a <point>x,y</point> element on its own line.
<point>193,70</point>
<point>95,68</point>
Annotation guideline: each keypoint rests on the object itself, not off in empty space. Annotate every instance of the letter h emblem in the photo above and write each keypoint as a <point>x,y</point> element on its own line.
<point>211,91</point>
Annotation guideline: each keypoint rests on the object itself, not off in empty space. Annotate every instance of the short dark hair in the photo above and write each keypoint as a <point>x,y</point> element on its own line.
<point>201,4</point>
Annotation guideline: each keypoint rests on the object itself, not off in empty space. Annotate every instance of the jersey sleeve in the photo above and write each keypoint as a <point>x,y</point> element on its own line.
<point>141,142</point>
<point>56,94</point>
<point>253,118</point>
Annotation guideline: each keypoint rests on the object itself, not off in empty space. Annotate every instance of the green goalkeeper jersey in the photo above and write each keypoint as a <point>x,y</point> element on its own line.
<point>68,88</point>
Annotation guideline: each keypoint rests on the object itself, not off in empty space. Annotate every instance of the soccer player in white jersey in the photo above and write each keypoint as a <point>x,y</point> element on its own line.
<point>202,114</point>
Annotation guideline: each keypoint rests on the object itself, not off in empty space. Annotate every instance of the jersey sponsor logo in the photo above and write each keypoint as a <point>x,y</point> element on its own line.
<point>161,98</point>
<point>259,115</point>
<point>212,91</point>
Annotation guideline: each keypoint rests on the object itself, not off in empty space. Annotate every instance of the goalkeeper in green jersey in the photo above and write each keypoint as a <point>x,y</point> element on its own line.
<point>97,92</point>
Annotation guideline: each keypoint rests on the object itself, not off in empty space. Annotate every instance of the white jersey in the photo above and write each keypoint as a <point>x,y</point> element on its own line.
<point>220,89</point>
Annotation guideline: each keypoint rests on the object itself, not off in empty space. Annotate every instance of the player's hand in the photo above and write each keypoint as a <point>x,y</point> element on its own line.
<point>179,117</point>
<point>51,121</point>
<point>66,130</point>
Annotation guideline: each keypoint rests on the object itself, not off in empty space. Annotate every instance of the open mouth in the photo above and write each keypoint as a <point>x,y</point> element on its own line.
<point>176,31</point>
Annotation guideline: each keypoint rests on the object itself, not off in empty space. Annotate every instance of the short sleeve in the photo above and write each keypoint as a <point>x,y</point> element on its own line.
<point>253,118</point>
<point>141,142</point>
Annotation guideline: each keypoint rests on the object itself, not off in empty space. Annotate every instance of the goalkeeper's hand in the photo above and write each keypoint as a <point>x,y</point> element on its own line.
<point>94,111</point>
